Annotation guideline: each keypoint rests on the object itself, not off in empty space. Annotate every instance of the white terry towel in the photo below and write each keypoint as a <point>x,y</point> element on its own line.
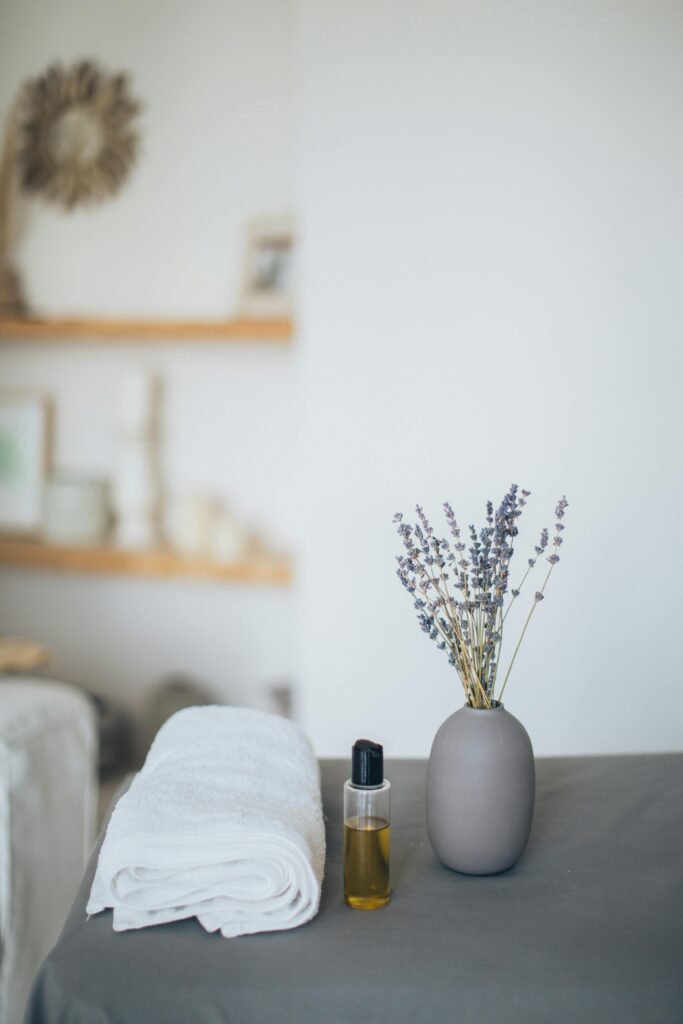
<point>223,823</point>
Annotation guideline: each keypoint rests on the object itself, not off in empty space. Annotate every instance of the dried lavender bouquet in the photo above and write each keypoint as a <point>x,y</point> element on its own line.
<point>460,594</point>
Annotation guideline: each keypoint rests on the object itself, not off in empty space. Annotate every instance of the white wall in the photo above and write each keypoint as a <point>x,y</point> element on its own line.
<point>217,81</point>
<point>493,215</point>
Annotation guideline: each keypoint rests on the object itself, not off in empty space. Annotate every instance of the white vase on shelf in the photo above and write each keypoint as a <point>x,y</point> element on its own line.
<point>137,490</point>
<point>191,524</point>
<point>232,540</point>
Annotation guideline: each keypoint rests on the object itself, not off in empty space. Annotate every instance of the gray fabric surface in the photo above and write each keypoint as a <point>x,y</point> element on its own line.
<point>587,927</point>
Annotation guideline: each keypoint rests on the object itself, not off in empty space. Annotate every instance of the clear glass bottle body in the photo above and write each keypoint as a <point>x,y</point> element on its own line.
<point>367,845</point>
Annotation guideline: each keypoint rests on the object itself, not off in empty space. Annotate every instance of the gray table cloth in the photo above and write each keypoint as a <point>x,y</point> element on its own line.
<point>587,927</point>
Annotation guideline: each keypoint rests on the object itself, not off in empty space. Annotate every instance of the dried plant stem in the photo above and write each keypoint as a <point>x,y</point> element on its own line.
<point>455,625</point>
<point>466,595</point>
<point>6,183</point>
<point>517,588</point>
<point>468,668</point>
<point>521,637</point>
<point>492,652</point>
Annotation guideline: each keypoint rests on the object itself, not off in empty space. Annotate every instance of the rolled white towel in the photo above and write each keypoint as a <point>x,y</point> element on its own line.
<point>223,823</point>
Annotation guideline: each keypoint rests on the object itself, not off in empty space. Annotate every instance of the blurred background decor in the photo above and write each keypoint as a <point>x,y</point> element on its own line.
<point>171,694</point>
<point>48,750</point>
<point>116,737</point>
<point>20,655</point>
<point>557,136</point>
<point>76,140</point>
<point>192,523</point>
<point>137,487</point>
<point>12,302</point>
<point>23,460</point>
<point>71,139</point>
<point>269,267</point>
<point>161,548</point>
<point>76,510</point>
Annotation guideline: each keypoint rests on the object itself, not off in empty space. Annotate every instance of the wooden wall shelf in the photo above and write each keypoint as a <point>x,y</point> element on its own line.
<point>162,563</point>
<point>238,330</point>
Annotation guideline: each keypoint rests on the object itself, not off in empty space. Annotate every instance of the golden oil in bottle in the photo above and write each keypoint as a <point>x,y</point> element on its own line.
<point>367,845</point>
<point>367,831</point>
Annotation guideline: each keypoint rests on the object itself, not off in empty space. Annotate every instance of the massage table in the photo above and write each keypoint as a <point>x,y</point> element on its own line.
<point>587,927</point>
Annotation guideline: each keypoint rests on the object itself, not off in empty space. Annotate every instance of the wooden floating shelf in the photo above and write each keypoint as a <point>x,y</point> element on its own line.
<point>162,563</point>
<point>241,329</point>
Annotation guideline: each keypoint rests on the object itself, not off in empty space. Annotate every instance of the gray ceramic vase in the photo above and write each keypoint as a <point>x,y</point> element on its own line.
<point>480,791</point>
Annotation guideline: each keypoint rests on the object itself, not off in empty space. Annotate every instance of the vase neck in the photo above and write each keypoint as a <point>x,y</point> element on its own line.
<point>495,706</point>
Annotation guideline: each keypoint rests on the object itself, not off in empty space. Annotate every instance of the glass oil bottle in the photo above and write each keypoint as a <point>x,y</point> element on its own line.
<point>367,829</point>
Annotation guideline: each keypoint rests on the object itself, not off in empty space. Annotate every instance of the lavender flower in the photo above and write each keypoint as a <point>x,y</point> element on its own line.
<point>459,592</point>
<point>561,506</point>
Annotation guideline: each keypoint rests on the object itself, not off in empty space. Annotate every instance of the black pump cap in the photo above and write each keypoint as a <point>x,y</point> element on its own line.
<point>367,763</point>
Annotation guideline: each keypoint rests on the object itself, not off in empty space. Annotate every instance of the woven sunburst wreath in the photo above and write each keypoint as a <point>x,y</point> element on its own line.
<point>76,137</point>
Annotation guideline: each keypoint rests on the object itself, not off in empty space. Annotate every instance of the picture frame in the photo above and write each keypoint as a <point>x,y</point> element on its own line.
<point>268,268</point>
<point>24,459</point>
